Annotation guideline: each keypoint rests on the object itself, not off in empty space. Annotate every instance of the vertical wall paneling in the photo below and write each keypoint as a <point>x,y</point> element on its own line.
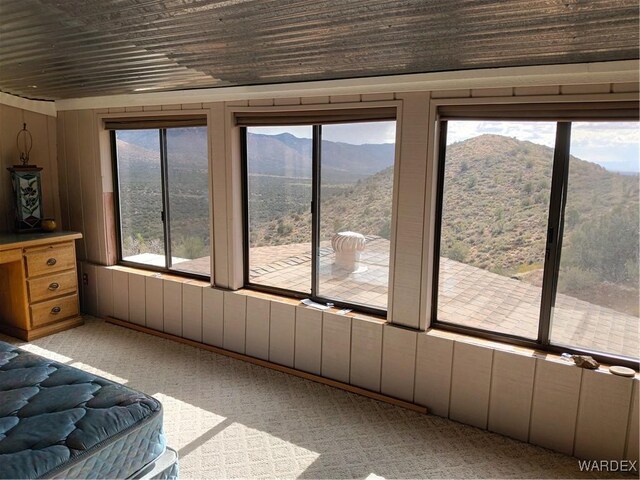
<point>633,446</point>
<point>11,120</point>
<point>105,292</point>
<point>172,300</point>
<point>410,210</point>
<point>286,101</point>
<point>235,314</point>
<point>282,333</point>
<point>74,179</point>
<point>89,291</point>
<point>90,195</point>
<point>103,166</point>
<point>53,168</point>
<point>192,311</point>
<point>40,156</point>
<point>154,303</point>
<point>121,295</point>
<point>257,338</point>
<point>336,346</point>
<point>65,222</point>
<point>603,414</point>
<point>470,382</point>
<point>212,316</point>
<point>433,373</point>
<point>398,362</point>
<point>43,154</point>
<point>583,89</point>
<point>366,353</point>
<point>511,394</point>
<point>99,136</point>
<point>555,405</point>
<point>218,201</point>
<point>492,92</point>
<point>137,292</point>
<point>308,340</point>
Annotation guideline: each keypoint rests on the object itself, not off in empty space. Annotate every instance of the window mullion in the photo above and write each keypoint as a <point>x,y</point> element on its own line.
<point>557,202</point>
<point>315,209</point>
<point>442,151</point>
<point>165,197</point>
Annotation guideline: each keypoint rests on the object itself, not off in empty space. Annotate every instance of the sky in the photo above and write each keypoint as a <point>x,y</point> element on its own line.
<point>613,145</point>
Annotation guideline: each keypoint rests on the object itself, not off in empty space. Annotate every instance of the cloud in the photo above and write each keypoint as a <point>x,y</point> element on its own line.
<point>613,145</point>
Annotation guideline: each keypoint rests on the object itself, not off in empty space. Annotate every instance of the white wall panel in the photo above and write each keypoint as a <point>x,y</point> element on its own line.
<point>433,373</point>
<point>308,341</point>
<point>212,316</point>
<point>398,362</point>
<point>366,353</point>
<point>282,332</point>
<point>470,384</point>
<point>257,339</point>
<point>235,316</point>
<point>336,346</point>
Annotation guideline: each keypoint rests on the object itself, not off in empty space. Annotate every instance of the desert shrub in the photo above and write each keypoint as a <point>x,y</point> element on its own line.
<point>457,251</point>
<point>607,246</point>
<point>575,280</point>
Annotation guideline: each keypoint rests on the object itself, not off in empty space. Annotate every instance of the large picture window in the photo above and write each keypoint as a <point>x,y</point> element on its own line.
<point>537,231</point>
<point>161,177</point>
<point>318,210</point>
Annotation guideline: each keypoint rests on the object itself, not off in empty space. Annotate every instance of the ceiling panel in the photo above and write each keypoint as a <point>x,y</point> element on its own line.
<point>54,49</point>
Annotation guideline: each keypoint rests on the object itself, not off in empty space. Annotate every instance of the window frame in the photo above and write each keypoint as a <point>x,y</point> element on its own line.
<point>315,229</point>
<point>553,245</point>
<point>165,215</point>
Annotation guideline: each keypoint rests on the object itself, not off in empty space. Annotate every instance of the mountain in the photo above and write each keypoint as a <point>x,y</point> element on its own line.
<point>282,155</point>
<point>288,156</point>
<point>495,209</point>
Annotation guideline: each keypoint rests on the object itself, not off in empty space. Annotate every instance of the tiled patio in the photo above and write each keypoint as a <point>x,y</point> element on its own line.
<point>468,295</point>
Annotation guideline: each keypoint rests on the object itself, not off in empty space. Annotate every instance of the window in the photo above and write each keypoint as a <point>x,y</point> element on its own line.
<point>318,210</point>
<point>537,234</point>
<point>162,195</point>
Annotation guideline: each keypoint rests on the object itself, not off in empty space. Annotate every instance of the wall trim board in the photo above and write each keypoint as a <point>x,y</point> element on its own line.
<point>579,73</point>
<point>274,366</point>
<point>44,107</point>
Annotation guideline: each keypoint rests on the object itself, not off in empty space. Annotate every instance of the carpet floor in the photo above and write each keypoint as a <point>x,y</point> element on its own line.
<point>232,419</point>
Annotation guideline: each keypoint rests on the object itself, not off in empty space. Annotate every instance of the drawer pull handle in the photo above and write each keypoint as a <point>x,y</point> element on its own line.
<point>51,262</point>
<point>55,310</point>
<point>54,286</point>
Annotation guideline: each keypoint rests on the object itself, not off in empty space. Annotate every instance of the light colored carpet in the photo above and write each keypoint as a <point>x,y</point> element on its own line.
<point>231,419</point>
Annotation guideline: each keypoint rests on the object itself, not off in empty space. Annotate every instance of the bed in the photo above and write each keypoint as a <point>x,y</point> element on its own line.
<point>60,422</point>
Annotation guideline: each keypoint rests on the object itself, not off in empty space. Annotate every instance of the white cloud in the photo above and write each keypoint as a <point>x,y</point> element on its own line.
<point>614,145</point>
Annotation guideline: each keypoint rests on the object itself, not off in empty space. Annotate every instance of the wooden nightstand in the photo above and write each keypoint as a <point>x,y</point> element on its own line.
<point>38,284</point>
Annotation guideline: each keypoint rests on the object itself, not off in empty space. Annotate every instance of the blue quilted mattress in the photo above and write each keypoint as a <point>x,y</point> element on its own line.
<point>59,422</point>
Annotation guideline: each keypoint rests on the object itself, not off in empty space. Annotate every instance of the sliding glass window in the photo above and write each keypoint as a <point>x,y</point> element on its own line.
<point>537,232</point>
<point>161,180</point>
<point>318,210</point>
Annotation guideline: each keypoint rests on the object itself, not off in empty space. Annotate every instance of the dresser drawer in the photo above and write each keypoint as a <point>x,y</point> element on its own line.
<point>53,258</point>
<point>62,283</point>
<point>54,310</point>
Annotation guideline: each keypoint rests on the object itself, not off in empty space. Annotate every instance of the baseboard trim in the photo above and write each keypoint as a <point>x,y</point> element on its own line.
<point>274,366</point>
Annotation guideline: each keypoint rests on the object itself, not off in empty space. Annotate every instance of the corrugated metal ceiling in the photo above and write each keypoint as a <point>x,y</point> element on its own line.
<point>53,49</point>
